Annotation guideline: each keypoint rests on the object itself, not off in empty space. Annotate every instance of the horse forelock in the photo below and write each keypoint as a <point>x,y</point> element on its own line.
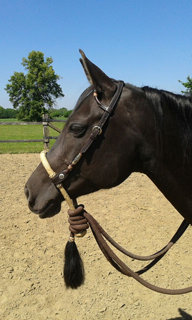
<point>83,96</point>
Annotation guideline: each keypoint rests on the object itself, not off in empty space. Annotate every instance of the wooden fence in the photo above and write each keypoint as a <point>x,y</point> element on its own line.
<point>46,124</point>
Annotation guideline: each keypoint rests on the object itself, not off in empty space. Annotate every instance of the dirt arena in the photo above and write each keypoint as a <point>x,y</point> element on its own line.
<point>135,214</point>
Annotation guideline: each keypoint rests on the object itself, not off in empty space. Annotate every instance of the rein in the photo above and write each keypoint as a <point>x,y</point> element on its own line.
<point>80,220</point>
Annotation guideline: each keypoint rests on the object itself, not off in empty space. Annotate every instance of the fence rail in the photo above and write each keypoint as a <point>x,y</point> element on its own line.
<point>19,123</point>
<point>24,140</point>
<point>46,124</point>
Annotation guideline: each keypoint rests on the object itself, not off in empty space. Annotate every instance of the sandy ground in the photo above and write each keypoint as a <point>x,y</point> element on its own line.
<point>135,214</point>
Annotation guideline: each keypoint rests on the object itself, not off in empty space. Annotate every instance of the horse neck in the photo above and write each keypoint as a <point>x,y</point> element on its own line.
<point>170,168</point>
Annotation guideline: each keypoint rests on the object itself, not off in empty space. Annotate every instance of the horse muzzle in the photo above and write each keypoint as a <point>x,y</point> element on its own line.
<point>43,205</point>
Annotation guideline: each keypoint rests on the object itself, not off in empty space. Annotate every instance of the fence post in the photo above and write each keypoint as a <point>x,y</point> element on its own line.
<point>45,131</point>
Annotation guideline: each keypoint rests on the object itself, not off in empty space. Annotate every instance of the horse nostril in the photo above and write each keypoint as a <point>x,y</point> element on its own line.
<point>29,197</point>
<point>26,191</point>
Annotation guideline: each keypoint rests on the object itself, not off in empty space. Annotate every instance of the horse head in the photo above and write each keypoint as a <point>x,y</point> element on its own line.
<point>110,159</point>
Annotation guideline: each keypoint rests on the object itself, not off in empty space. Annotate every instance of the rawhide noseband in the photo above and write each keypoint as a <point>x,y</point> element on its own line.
<point>99,233</point>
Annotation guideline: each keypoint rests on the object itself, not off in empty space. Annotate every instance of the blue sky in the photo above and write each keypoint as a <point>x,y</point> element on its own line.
<point>143,42</point>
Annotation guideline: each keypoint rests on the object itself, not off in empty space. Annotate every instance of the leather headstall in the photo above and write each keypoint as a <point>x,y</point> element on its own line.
<point>96,131</point>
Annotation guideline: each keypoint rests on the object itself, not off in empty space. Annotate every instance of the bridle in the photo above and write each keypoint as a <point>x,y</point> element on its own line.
<point>96,131</point>
<point>58,178</point>
<point>98,232</point>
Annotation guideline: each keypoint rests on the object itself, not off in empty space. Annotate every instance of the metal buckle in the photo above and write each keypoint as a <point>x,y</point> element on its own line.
<point>99,128</point>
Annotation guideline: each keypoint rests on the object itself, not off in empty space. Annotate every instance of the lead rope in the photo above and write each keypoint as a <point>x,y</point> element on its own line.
<point>79,221</point>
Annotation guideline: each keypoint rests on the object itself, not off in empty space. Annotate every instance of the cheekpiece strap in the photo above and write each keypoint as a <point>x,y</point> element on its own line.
<point>96,131</point>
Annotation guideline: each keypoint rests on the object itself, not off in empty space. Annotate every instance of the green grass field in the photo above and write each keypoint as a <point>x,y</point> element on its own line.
<point>19,132</point>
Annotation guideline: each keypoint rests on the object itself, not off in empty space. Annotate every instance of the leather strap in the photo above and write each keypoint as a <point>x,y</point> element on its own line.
<point>60,177</point>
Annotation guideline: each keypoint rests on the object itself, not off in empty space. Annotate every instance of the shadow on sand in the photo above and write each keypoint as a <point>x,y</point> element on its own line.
<point>184,316</point>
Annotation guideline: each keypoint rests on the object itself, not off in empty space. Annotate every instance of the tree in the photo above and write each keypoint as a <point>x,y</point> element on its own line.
<point>37,90</point>
<point>54,113</point>
<point>187,85</point>
<point>1,112</point>
<point>67,113</point>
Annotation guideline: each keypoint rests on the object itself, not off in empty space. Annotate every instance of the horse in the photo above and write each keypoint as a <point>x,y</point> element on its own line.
<point>149,131</point>
<point>116,129</point>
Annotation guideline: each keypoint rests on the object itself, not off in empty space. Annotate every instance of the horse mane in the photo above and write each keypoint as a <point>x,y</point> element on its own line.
<point>133,88</point>
<point>180,107</point>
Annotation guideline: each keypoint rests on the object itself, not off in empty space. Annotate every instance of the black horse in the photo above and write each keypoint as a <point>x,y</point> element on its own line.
<point>148,131</point>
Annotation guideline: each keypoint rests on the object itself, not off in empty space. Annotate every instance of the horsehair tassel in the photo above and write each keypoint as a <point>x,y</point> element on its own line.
<point>73,266</point>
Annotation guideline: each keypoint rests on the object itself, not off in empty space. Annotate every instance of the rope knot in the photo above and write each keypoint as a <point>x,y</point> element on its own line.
<point>77,222</point>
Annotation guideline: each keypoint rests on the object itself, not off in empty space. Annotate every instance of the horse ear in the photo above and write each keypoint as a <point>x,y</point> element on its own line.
<point>98,79</point>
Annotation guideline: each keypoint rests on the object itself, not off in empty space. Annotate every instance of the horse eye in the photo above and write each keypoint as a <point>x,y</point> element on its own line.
<point>77,129</point>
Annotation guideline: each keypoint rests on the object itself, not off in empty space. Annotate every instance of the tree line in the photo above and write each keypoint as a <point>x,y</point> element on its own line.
<point>8,113</point>
<point>53,113</point>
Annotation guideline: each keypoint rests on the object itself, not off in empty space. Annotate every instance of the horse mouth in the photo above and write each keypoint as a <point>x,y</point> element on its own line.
<point>50,210</point>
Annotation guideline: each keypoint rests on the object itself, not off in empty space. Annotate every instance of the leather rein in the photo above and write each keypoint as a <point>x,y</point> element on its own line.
<point>79,222</point>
